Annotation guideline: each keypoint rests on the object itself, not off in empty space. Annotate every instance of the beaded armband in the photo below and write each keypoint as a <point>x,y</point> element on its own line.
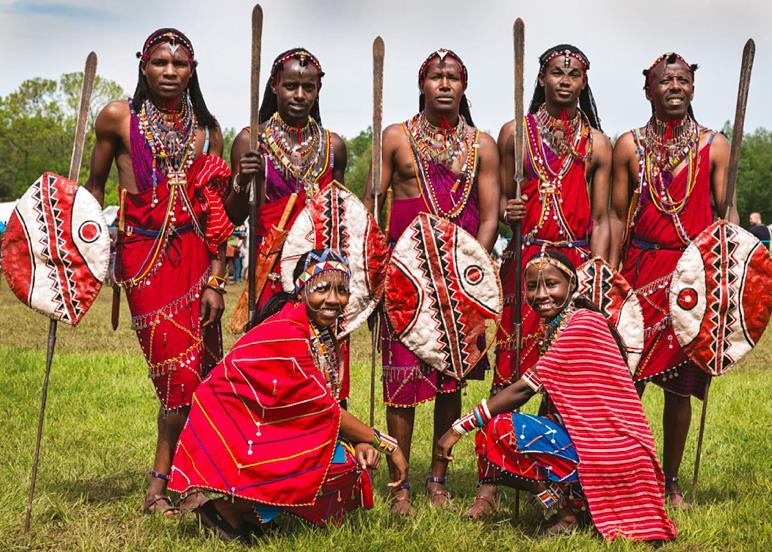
<point>531,379</point>
<point>385,443</point>
<point>550,500</point>
<point>216,283</point>
<point>478,417</point>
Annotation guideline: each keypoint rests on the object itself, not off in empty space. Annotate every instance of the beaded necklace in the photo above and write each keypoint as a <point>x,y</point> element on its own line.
<point>551,329</point>
<point>171,136</point>
<point>325,355</point>
<point>431,144</point>
<point>661,157</point>
<point>302,153</point>
<point>542,134</point>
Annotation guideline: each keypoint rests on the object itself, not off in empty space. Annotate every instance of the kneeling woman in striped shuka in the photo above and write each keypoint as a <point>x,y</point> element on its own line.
<point>592,448</point>
<point>265,432</point>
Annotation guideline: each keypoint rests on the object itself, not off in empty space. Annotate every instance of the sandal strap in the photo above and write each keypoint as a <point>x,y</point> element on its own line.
<point>148,505</point>
<point>490,501</point>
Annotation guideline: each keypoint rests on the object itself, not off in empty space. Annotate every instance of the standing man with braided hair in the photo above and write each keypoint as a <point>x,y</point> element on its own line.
<point>435,162</point>
<point>295,155</point>
<point>170,258</point>
<point>564,203</point>
<point>665,175</point>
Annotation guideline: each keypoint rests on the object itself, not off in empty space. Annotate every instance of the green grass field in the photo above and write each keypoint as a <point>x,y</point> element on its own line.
<point>100,434</point>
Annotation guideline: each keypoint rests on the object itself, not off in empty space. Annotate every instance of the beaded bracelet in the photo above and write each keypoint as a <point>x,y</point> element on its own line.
<point>478,417</point>
<point>384,443</point>
<point>217,283</point>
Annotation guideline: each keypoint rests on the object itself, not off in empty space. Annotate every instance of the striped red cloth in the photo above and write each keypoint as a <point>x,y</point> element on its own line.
<point>210,177</point>
<point>588,381</point>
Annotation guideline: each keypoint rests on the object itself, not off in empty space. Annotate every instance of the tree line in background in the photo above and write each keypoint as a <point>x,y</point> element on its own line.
<point>37,122</point>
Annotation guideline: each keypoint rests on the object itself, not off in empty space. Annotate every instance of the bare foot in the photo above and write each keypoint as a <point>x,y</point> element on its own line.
<point>439,496</point>
<point>485,503</point>
<point>401,503</point>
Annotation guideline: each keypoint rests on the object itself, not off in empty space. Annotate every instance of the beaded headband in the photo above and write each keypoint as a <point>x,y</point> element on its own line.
<point>302,55</point>
<point>315,264</point>
<point>669,58</point>
<point>541,261</point>
<point>567,54</point>
<point>174,39</point>
<point>442,53</point>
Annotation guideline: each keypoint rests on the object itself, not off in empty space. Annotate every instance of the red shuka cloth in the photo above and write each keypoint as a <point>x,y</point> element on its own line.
<point>263,426</point>
<point>165,305</point>
<point>649,272</point>
<point>575,203</point>
<point>589,383</point>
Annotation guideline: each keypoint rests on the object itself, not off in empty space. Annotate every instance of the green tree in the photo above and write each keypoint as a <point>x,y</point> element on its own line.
<point>37,123</point>
<point>359,150</point>
<point>754,176</point>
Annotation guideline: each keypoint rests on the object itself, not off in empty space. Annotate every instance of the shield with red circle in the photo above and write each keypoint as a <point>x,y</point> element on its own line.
<point>721,296</point>
<point>56,248</point>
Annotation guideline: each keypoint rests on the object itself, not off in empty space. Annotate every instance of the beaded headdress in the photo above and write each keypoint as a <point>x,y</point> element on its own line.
<point>174,38</point>
<point>302,55</point>
<point>442,53</point>
<point>319,261</point>
<point>567,54</point>
<point>668,58</point>
<point>543,259</point>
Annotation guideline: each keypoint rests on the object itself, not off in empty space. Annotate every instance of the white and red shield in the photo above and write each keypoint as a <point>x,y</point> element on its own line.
<point>609,290</point>
<point>335,218</point>
<point>721,296</point>
<point>56,249</point>
<point>441,290</point>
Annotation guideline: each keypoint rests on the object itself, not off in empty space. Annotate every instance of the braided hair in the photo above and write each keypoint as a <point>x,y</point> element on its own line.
<point>586,99</point>
<point>269,105</point>
<point>463,108</point>
<point>668,58</point>
<point>142,92</point>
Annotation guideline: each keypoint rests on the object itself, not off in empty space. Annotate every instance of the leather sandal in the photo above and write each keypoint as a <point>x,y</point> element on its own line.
<point>213,521</point>
<point>397,496</point>
<point>160,504</point>
<point>490,509</point>
<point>437,492</point>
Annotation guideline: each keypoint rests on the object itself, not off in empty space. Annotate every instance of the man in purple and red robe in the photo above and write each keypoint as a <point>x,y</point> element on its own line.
<point>436,162</point>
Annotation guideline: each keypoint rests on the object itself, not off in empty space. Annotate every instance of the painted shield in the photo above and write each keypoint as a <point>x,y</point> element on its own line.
<point>335,218</point>
<point>441,290</point>
<point>721,296</point>
<point>56,249</point>
<point>616,299</point>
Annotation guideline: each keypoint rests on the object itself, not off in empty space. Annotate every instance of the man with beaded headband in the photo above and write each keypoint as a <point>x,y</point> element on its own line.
<point>564,201</point>
<point>170,259</point>
<point>665,175</point>
<point>435,162</point>
<point>590,449</point>
<point>295,155</point>
<point>266,431</point>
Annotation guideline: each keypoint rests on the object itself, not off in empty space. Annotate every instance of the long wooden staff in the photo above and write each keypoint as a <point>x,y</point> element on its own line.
<point>517,227</point>
<point>731,183</point>
<point>375,163</point>
<point>116,310</point>
<point>75,161</point>
<point>255,194</point>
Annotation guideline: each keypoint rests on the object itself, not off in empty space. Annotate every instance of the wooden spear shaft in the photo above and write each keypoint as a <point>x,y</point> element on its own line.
<point>731,185</point>
<point>255,191</point>
<point>89,74</point>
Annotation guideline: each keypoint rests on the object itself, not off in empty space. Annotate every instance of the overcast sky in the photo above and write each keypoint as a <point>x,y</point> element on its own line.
<point>48,38</point>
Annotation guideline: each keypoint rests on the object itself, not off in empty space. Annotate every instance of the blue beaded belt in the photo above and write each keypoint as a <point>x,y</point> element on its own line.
<point>640,244</point>
<point>154,233</point>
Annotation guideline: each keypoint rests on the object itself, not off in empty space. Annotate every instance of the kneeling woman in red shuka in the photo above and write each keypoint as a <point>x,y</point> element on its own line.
<point>592,449</point>
<point>265,432</point>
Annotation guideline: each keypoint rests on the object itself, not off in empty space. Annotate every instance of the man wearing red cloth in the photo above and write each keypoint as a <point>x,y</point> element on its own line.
<point>664,176</point>
<point>296,155</point>
<point>436,162</point>
<point>170,259</point>
<point>564,201</point>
